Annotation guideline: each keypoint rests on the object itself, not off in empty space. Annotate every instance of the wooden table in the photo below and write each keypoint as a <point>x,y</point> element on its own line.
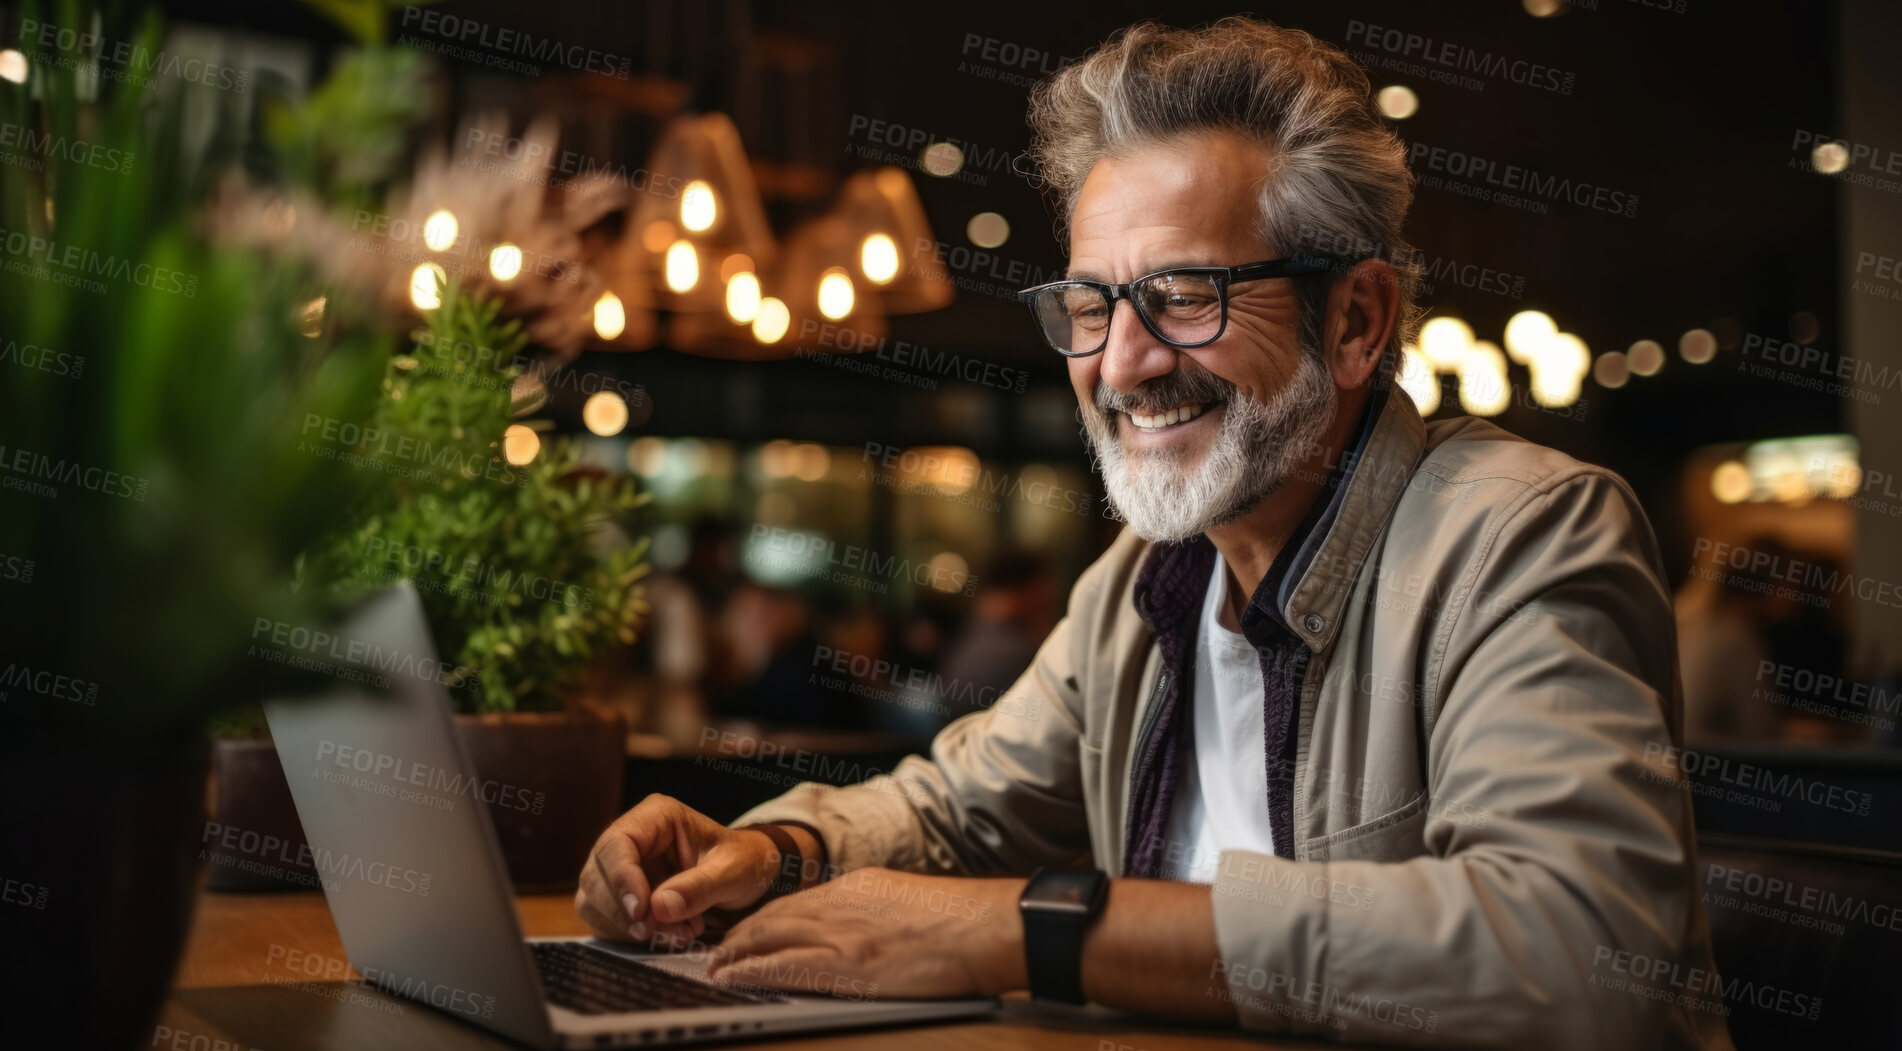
<point>267,972</point>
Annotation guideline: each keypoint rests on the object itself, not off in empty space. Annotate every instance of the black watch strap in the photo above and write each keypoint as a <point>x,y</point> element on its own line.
<point>1053,940</point>
<point>792,867</point>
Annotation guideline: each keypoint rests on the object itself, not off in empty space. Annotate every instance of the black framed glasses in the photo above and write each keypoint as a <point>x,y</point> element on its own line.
<point>1184,307</point>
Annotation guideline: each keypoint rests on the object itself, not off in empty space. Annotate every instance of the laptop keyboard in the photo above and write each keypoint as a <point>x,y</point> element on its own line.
<point>588,981</point>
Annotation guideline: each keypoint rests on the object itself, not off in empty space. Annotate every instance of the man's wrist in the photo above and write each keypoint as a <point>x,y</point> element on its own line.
<point>812,852</point>
<point>795,858</point>
<point>1003,968</point>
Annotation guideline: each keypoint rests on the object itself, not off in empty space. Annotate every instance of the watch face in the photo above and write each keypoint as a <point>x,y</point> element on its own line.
<point>1063,890</point>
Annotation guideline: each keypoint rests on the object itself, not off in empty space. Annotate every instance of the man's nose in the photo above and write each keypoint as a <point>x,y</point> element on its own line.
<point>1133,353</point>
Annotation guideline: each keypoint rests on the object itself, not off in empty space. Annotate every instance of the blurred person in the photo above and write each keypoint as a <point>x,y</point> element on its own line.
<point>1722,643</point>
<point>683,644</point>
<point>1808,635</point>
<point>1016,608</point>
<point>792,683</point>
<point>759,629</point>
<point>1402,683</point>
<point>1749,638</point>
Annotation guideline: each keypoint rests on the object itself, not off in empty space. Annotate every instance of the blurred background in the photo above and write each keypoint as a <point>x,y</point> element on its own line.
<point>1651,239</point>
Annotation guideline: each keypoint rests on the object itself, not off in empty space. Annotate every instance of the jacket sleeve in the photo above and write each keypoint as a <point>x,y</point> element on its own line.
<point>1000,792</point>
<point>1556,840</point>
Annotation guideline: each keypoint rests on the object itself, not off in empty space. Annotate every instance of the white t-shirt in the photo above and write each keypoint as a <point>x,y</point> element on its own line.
<point>1221,803</point>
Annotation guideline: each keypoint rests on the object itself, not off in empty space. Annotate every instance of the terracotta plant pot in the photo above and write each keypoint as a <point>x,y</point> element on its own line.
<point>252,839</point>
<point>552,781</point>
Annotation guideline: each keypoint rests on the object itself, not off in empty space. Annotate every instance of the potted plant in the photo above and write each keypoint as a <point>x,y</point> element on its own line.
<point>525,577</point>
<point>153,380</point>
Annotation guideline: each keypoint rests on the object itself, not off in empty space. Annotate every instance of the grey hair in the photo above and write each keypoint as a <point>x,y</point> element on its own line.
<point>1338,182</point>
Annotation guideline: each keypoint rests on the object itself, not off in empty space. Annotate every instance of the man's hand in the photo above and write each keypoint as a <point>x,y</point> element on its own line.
<point>895,933</point>
<point>655,872</point>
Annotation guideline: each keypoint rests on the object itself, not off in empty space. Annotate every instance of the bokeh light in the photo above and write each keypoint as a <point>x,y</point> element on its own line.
<point>439,230</point>
<point>683,266</point>
<point>878,258</point>
<point>610,317</point>
<point>604,413</point>
<point>773,321</point>
<point>505,261</point>
<point>987,229</point>
<point>698,207</point>
<point>1697,346</point>
<point>520,444</point>
<point>1398,101</point>
<point>743,298</point>
<point>942,159</point>
<point>836,296</point>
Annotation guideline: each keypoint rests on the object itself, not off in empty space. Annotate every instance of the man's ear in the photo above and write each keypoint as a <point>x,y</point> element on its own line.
<point>1363,311</point>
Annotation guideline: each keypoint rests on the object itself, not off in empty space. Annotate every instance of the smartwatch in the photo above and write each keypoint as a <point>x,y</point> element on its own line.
<point>1058,907</point>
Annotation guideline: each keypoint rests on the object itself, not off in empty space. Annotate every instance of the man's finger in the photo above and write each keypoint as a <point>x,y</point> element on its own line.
<point>619,863</point>
<point>602,926</point>
<point>722,879</point>
<point>760,934</point>
<point>790,969</point>
<point>594,890</point>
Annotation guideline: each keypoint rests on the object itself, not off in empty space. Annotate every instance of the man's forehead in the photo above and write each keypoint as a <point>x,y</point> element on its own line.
<point>1181,202</point>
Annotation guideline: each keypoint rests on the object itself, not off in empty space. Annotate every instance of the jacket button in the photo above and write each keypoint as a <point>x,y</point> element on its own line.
<point>1313,622</point>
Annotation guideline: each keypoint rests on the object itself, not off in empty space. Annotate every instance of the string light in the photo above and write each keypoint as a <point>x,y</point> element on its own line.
<point>698,207</point>
<point>683,267</point>
<point>743,298</point>
<point>835,293</point>
<point>610,317</point>
<point>425,286</point>
<point>439,230</point>
<point>773,321</point>
<point>505,261</point>
<point>878,258</point>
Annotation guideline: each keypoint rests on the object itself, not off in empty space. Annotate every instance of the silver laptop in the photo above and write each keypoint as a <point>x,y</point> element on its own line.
<point>416,884</point>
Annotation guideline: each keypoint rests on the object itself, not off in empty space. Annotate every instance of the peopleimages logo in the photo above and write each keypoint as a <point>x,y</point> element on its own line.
<point>327,864</point>
<point>399,454</point>
<point>1469,275</point>
<point>25,895</point>
<point>43,359</point>
<point>50,685</point>
<point>811,555</point>
<point>1457,57</point>
<point>914,363</point>
<point>1721,770</point>
<point>464,30</point>
<point>470,577</point>
<point>359,653</point>
<point>1699,983</point>
<point>1490,175</point>
<point>1814,580</point>
<point>1773,896</point>
<point>121,61</point>
<point>867,673</point>
<point>24,466</point>
<point>34,144</point>
<point>424,775</point>
<point>1813,368</point>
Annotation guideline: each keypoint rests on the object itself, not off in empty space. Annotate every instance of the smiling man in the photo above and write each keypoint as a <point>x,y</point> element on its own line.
<point>1347,733</point>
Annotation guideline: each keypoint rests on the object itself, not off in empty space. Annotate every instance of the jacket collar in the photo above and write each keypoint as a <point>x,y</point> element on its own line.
<point>1315,590</point>
<point>1308,584</point>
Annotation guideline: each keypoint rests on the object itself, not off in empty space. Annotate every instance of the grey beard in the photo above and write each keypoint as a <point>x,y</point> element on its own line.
<point>1259,446</point>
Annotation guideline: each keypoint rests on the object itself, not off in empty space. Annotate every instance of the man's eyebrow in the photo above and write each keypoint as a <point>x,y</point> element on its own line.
<point>1090,275</point>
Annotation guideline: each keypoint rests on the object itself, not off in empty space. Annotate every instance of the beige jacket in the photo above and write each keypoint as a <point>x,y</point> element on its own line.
<point>1493,847</point>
